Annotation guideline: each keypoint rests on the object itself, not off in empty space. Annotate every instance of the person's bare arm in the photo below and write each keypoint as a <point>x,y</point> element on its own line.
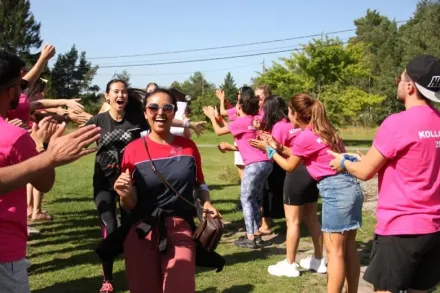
<point>62,150</point>
<point>55,103</point>
<point>365,169</point>
<point>18,175</point>
<point>33,74</point>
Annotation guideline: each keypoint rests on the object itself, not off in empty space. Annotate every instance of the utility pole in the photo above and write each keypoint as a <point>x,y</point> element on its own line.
<point>264,66</point>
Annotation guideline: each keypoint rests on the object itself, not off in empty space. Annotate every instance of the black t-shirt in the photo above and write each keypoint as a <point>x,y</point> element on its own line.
<point>114,138</point>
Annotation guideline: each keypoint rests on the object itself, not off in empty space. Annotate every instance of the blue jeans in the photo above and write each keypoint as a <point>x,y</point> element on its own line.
<point>342,200</point>
<point>254,177</point>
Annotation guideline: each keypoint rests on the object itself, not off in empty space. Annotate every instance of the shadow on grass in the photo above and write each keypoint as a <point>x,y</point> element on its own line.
<point>234,289</point>
<point>85,285</point>
<point>364,250</point>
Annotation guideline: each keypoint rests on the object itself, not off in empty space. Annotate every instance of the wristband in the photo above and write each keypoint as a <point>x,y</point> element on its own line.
<point>349,158</point>
<point>270,152</point>
<point>186,123</point>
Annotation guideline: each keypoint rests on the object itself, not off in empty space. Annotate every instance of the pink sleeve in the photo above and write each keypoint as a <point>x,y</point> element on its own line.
<point>24,148</point>
<point>237,127</point>
<point>232,115</point>
<point>385,141</point>
<point>303,145</point>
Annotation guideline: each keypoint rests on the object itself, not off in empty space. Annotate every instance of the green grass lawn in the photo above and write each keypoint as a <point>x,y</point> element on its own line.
<point>63,259</point>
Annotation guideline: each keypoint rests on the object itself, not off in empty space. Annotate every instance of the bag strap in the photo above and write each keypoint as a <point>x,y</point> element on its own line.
<point>155,171</point>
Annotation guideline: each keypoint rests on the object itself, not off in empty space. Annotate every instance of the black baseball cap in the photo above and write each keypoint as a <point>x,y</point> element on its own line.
<point>424,70</point>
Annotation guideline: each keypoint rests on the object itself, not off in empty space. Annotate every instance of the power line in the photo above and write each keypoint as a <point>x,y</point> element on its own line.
<point>191,72</point>
<point>228,46</point>
<point>203,56</point>
<point>208,59</point>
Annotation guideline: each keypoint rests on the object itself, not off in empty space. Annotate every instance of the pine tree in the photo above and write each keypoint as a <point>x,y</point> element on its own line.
<point>69,79</point>
<point>230,88</point>
<point>19,31</point>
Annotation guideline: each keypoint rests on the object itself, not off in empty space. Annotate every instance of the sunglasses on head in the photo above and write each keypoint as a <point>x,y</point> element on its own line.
<point>166,108</point>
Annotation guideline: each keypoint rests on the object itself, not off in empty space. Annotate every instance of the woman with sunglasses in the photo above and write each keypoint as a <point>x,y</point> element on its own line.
<point>163,258</point>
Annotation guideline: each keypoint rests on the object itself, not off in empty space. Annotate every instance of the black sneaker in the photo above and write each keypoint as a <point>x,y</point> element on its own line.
<point>258,240</point>
<point>244,242</point>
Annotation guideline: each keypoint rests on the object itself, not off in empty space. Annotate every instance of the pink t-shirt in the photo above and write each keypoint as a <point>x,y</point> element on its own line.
<point>22,111</point>
<point>16,146</point>
<point>232,114</point>
<point>284,133</point>
<point>313,151</point>
<point>243,130</point>
<point>409,183</point>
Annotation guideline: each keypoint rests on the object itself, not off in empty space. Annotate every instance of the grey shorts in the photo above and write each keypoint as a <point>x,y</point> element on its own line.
<point>14,276</point>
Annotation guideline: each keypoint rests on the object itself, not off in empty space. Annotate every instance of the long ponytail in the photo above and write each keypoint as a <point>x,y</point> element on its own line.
<point>311,111</point>
<point>322,127</point>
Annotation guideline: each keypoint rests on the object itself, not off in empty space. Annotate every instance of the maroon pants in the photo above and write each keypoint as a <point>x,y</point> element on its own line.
<point>149,270</point>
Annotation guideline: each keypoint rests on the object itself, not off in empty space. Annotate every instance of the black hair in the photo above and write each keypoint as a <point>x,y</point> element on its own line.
<point>275,109</point>
<point>163,91</point>
<point>10,67</point>
<point>246,91</point>
<point>37,87</point>
<point>249,102</point>
<point>151,83</point>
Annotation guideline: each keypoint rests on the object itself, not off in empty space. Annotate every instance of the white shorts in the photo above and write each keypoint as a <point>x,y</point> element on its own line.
<point>238,160</point>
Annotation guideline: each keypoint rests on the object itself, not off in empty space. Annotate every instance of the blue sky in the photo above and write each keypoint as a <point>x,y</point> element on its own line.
<point>110,28</point>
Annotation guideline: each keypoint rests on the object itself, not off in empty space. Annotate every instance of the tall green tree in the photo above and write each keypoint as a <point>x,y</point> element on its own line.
<point>332,72</point>
<point>19,31</point>
<point>197,86</point>
<point>230,88</point>
<point>383,50</point>
<point>72,77</point>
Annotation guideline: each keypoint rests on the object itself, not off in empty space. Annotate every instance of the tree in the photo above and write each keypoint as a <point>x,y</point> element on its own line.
<point>197,85</point>
<point>383,50</point>
<point>69,79</point>
<point>124,75</point>
<point>230,88</point>
<point>19,31</point>
<point>330,71</point>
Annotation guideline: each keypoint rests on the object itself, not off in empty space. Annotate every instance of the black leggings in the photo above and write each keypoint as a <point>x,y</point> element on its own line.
<point>272,201</point>
<point>105,201</point>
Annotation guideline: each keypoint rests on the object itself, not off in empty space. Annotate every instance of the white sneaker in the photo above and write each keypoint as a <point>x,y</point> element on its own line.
<point>283,268</point>
<point>32,231</point>
<point>314,264</point>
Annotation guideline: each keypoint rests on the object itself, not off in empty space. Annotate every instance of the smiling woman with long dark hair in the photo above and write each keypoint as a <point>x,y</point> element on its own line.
<point>159,251</point>
<point>120,125</point>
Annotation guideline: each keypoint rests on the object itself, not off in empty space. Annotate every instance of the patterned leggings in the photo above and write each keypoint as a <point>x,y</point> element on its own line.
<point>252,184</point>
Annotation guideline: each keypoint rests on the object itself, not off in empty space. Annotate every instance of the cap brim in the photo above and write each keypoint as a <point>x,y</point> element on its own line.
<point>433,96</point>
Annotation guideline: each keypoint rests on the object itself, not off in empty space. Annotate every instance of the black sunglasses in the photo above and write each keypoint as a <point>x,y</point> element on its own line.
<point>166,108</point>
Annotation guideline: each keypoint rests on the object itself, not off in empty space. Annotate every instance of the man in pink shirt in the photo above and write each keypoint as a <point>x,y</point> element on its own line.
<point>406,155</point>
<point>17,146</point>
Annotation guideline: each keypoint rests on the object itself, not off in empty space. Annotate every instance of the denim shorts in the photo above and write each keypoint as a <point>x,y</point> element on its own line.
<point>342,200</point>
